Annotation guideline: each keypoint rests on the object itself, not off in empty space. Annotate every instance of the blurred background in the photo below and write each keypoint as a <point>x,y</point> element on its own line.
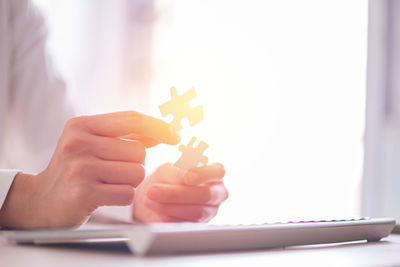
<point>282,83</point>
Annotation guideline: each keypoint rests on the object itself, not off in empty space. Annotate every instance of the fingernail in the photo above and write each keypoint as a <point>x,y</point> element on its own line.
<point>154,192</point>
<point>192,178</point>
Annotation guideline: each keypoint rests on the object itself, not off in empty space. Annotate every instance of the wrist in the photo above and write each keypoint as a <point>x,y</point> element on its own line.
<point>16,204</point>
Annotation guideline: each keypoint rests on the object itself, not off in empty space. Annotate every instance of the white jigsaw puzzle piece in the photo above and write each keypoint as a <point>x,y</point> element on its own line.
<point>191,156</point>
<point>179,107</point>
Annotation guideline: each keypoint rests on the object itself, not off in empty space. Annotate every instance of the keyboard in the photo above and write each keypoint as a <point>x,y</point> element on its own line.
<point>196,237</point>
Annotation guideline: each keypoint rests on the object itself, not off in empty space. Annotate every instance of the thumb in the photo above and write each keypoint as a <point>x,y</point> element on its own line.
<point>165,174</point>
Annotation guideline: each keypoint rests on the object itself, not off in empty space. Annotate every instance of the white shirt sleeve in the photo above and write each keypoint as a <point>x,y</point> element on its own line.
<point>38,102</point>
<point>38,106</point>
<point>6,179</point>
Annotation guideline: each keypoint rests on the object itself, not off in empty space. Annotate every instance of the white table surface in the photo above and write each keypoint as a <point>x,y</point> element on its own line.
<point>383,253</point>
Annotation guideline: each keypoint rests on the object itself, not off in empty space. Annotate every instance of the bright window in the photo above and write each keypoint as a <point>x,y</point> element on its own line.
<point>283,88</point>
<point>282,83</point>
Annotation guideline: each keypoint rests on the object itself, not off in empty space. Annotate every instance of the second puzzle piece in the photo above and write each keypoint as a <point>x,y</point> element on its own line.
<point>179,107</point>
<point>191,156</point>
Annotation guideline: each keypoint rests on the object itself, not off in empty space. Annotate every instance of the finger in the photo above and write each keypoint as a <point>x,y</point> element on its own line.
<point>181,194</point>
<point>112,172</point>
<point>204,174</point>
<point>119,150</point>
<point>193,213</point>
<point>143,214</point>
<point>122,173</point>
<point>114,195</point>
<point>147,141</point>
<point>165,174</point>
<point>164,219</point>
<point>130,122</point>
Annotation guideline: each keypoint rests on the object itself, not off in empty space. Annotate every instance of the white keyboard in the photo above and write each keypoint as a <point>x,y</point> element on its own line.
<point>194,237</point>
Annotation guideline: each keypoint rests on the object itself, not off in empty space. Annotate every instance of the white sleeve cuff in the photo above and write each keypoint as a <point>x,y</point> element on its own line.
<point>6,179</point>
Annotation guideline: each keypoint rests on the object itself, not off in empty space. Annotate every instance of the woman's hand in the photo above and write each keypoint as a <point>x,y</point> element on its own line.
<point>93,165</point>
<point>196,197</point>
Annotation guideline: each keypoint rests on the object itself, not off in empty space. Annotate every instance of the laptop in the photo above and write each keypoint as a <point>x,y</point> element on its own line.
<point>198,237</point>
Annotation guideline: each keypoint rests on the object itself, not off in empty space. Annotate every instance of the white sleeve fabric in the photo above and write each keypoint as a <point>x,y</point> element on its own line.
<point>6,179</point>
<point>38,102</point>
